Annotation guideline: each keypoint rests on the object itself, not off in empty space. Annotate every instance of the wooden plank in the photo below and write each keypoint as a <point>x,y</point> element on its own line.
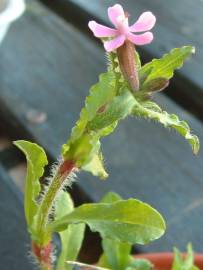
<point>178,24</point>
<point>13,234</point>
<point>47,65</point>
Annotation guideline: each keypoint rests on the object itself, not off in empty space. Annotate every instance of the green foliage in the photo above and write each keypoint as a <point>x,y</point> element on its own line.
<point>103,109</point>
<point>186,263</point>
<point>151,110</point>
<point>72,237</point>
<point>129,221</point>
<point>140,264</point>
<point>116,254</point>
<point>36,161</point>
<point>164,67</point>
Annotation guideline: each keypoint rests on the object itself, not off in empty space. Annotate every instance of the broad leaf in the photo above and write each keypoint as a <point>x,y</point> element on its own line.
<point>36,161</point>
<point>164,67</point>
<point>116,254</point>
<point>186,263</point>
<point>72,237</point>
<point>151,110</point>
<point>129,221</point>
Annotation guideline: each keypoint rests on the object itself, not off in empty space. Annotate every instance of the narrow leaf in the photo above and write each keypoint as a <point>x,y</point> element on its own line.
<point>36,161</point>
<point>164,67</point>
<point>129,221</point>
<point>150,110</point>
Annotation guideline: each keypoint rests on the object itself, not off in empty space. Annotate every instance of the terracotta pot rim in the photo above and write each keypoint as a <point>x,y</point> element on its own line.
<point>164,260</point>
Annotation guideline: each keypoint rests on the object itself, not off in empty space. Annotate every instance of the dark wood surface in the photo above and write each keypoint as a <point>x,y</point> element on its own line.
<point>48,65</point>
<point>178,23</point>
<point>14,240</point>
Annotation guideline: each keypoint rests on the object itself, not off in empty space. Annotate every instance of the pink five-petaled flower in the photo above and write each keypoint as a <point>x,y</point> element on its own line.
<point>123,31</point>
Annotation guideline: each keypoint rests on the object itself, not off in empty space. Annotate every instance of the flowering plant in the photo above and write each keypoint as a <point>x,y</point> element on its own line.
<point>125,89</point>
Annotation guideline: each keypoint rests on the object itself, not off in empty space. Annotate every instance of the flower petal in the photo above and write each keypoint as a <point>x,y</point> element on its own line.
<point>142,39</point>
<point>114,43</point>
<point>145,22</point>
<point>100,30</point>
<point>115,12</point>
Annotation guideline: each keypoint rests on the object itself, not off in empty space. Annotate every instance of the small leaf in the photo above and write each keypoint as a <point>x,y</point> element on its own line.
<point>129,221</point>
<point>154,85</point>
<point>150,110</point>
<point>36,161</point>
<point>72,237</point>
<point>186,263</point>
<point>164,67</point>
<point>96,167</point>
<point>140,264</point>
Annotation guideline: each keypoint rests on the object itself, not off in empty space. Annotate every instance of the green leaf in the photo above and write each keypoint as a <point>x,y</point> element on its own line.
<point>100,95</point>
<point>83,146</point>
<point>116,254</point>
<point>120,107</point>
<point>151,110</point>
<point>72,237</point>
<point>154,85</point>
<point>164,67</point>
<point>140,264</point>
<point>36,161</point>
<point>111,197</point>
<point>96,167</point>
<point>129,221</point>
<point>180,263</point>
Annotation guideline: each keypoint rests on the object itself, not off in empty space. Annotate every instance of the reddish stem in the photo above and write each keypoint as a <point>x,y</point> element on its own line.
<point>43,255</point>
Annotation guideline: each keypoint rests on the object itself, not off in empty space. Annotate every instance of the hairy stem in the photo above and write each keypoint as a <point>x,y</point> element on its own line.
<point>42,245</point>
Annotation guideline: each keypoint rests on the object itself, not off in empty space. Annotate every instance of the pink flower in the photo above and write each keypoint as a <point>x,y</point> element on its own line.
<point>123,31</point>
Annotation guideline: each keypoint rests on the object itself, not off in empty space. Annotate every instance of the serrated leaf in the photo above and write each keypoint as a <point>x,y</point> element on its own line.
<point>100,95</point>
<point>150,110</point>
<point>83,146</point>
<point>129,221</point>
<point>120,107</point>
<point>36,161</point>
<point>165,66</point>
<point>72,237</point>
<point>186,263</point>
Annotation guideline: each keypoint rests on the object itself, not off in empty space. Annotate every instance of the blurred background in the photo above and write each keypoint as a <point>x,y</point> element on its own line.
<point>48,61</point>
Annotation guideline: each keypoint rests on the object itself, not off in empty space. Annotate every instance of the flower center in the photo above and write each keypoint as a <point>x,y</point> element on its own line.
<point>122,24</point>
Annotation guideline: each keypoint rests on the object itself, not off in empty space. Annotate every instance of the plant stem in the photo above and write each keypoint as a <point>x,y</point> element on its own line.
<point>42,246</point>
<point>46,205</point>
